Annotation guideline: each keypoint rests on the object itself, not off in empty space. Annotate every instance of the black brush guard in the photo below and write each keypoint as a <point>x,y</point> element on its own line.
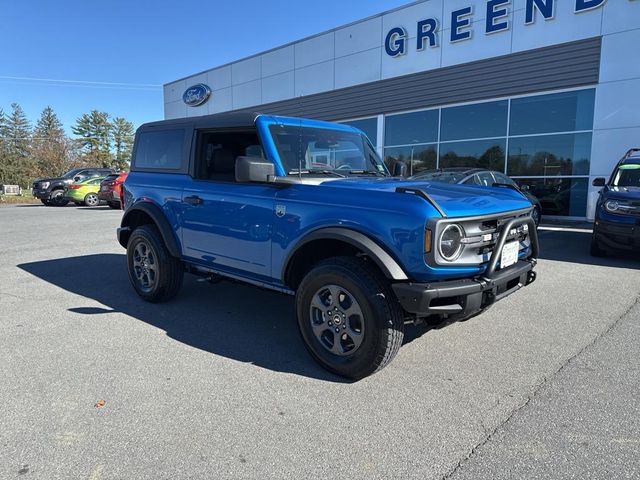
<point>463,298</point>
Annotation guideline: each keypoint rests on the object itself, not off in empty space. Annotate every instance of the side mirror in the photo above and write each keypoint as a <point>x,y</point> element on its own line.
<point>599,182</point>
<point>76,178</point>
<point>524,188</point>
<point>254,169</point>
<point>400,169</point>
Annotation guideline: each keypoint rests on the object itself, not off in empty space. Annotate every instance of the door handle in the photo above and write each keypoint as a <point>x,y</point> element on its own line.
<point>193,200</point>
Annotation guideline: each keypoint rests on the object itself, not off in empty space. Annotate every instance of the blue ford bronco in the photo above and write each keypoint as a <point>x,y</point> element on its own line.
<point>617,218</point>
<point>308,208</point>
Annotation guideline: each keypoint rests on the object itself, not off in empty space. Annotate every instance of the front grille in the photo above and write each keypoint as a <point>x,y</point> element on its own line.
<point>481,235</point>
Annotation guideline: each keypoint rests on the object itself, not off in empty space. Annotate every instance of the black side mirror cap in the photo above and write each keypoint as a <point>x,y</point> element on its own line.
<point>599,182</point>
<point>524,187</point>
<point>400,169</point>
<point>254,169</point>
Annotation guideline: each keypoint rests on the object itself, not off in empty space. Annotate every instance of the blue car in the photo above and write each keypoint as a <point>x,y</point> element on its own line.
<point>617,218</point>
<point>308,208</point>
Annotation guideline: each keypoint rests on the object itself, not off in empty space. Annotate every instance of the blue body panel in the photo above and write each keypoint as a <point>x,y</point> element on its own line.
<point>236,230</point>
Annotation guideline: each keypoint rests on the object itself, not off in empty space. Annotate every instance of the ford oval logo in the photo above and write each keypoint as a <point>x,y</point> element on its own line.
<point>196,95</point>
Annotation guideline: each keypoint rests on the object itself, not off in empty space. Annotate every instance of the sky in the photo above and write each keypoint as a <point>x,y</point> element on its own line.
<point>115,55</point>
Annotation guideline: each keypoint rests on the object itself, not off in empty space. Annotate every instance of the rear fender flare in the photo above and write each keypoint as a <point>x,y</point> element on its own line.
<point>155,213</point>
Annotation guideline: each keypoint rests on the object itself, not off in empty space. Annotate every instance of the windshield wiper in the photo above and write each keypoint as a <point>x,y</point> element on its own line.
<point>314,171</point>
<point>367,172</point>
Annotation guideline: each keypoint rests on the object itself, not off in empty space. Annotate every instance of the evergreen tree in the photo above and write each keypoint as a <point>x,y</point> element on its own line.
<point>122,134</point>
<point>3,147</point>
<point>94,130</point>
<point>49,148</point>
<point>18,162</point>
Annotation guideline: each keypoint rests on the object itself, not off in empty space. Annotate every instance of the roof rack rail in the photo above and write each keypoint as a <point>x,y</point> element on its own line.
<point>630,152</point>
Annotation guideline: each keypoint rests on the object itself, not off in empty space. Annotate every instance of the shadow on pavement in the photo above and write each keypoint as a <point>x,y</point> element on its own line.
<point>573,247</point>
<point>236,321</point>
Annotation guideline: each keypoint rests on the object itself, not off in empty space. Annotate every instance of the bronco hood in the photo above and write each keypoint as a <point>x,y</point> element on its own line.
<point>454,200</point>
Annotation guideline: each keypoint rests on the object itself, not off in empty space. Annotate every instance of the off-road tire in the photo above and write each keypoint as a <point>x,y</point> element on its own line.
<point>170,270</point>
<point>45,202</point>
<point>382,315</point>
<point>58,199</point>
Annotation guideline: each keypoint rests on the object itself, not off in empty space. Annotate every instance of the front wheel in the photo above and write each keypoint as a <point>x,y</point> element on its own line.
<point>154,273</point>
<point>58,199</point>
<point>348,317</point>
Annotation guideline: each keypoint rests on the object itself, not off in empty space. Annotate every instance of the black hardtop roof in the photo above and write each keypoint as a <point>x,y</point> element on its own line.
<point>218,120</point>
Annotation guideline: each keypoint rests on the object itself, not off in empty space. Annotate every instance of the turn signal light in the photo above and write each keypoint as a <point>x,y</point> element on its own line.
<point>427,241</point>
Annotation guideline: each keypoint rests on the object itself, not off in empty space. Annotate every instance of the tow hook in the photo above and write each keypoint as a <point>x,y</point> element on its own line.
<point>531,277</point>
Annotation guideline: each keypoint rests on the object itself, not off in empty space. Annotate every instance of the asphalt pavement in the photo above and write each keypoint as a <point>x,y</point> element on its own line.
<point>95,383</point>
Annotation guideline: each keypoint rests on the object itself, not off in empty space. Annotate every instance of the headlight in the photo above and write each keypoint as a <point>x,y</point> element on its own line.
<point>450,244</point>
<point>612,205</point>
<point>44,185</point>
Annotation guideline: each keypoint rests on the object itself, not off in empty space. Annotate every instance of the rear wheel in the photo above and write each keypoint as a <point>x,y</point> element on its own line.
<point>114,205</point>
<point>45,202</point>
<point>154,273</point>
<point>348,317</point>
<point>58,199</point>
<point>91,200</point>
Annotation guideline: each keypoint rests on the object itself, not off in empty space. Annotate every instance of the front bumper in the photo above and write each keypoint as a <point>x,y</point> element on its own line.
<point>463,298</point>
<point>618,235</point>
<point>458,299</point>
<point>41,194</point>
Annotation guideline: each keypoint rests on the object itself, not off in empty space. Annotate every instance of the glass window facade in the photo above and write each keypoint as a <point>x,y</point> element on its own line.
<point>476,153</point>
<point>557,112</point>
<point>368,125</point>
<point>417,158</point>
<point>481,120</point>
<point>543,141</point>
<point>550,155</point>
<point>411,128</point>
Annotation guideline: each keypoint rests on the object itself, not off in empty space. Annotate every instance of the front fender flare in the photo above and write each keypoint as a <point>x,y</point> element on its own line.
<point>158,218</point>
<point>382,259</point>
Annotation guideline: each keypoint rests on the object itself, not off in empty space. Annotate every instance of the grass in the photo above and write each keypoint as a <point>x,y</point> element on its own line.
<point>17,199</point>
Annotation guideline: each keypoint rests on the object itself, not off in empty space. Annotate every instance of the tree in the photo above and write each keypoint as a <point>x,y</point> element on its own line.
<point>3,147</point>
<point>122,135</point>
<point>94,130</point>
<point>17,163</point>
<point>50,146</point>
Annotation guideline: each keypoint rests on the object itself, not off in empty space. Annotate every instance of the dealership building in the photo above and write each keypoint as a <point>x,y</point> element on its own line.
<point>546,91</point>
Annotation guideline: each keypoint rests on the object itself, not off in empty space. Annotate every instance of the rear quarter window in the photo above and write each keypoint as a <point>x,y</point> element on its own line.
<point>161,150</point>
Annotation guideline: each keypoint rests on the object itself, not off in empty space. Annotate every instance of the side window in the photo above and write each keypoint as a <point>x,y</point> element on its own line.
<point>160,149</point>
<point>217,153</point>
<point>82,176</point>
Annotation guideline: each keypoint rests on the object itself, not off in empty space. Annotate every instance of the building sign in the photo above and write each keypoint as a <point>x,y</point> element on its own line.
<point>196,95</point>
<point>428,30</point>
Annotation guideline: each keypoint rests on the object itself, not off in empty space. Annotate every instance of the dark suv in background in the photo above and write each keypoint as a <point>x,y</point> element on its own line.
<point>617,218</point>
<point>50,191</point>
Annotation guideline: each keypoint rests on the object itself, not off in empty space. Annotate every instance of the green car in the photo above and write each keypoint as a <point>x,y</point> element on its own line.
<point>84,192</point>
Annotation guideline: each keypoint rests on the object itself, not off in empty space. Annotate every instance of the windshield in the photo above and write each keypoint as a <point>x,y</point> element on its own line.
<point>627,176</point>
<point>71,173</point>
<point>440,176</point>
<point>309,150</point>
